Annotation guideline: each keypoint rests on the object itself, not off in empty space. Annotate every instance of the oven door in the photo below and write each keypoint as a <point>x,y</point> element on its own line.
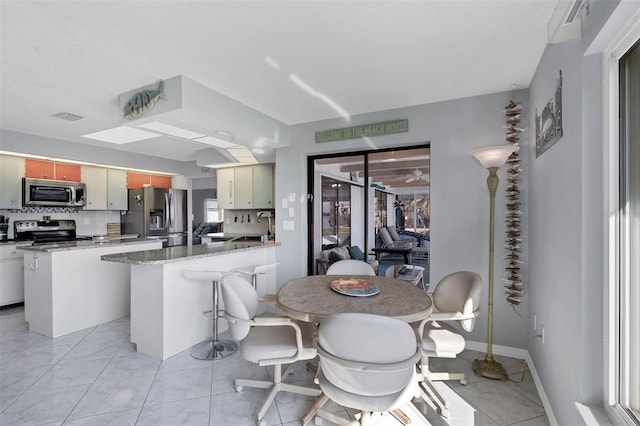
<point>38,192</point>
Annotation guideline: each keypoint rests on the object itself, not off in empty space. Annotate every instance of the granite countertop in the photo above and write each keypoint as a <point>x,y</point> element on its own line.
<point>182,253</point>
<point>15,242</point>
<point>86,244</point>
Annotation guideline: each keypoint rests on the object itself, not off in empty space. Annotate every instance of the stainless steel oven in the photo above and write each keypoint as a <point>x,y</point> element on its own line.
<point>46,231</point>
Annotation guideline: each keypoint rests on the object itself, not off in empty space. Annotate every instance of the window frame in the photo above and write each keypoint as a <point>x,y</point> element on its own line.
<point>216,208</point>
<point>614,226</point>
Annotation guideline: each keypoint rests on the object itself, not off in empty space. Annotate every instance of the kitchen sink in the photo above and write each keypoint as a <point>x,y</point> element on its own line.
<point>247,238</point>
<point>220,239</point>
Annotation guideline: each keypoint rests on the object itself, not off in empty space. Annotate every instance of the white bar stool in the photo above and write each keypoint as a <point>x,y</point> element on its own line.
<point>212,348</point>
<point>253,271</point>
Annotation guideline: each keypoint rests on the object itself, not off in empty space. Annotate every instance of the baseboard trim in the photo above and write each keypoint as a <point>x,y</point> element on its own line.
<point>497,349</point>
<point>522,354</point>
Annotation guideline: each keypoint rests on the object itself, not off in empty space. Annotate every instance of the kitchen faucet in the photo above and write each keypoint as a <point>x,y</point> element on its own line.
<point>268,216</point>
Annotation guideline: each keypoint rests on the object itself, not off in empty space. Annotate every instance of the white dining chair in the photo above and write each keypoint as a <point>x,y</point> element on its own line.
<point>350,267</point>
<point>367,362</point>
<point>266,340</point>
<point>456,299</point>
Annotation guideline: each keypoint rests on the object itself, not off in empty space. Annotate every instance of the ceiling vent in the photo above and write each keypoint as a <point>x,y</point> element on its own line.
<point>67,116</point>
<point>565,23</point>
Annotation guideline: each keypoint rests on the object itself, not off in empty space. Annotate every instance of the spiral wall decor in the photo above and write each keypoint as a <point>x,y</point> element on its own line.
<point>513,238</point>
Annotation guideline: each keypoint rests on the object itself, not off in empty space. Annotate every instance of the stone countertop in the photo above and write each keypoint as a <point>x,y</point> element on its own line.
<point>311,299</point>
<point>16,243</point>
<point>86,244</point>
<point>182,253</point>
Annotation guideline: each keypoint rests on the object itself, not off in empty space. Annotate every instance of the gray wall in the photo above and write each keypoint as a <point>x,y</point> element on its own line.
<point>567,213</point>
<point>40,145</point>
<point>555,232</point>
<point>459,194</point>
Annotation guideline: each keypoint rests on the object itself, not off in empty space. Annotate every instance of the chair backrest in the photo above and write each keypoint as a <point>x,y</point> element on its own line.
<point>394,233</point>
<point>459,292</point>
<point>350,266</point>
<point>241,302</point>
<point>367,354</point>
<point>385,236</point>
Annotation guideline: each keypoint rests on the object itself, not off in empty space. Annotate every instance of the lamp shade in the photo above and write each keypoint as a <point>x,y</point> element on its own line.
<point>494,156</point>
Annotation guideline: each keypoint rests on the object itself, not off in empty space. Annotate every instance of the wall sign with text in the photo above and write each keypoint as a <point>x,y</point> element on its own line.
<point>363,131</point>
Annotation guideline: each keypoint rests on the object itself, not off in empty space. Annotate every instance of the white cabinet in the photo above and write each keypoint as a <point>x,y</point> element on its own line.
<point>243,188</point>
<point>224,185</point>
<point>106,188</point>
<point>11,275</point>
<point>263,186</point>
<point>117,195</point>
<point>247,187</point>
<point>11,172</point>
<point>96,180</point>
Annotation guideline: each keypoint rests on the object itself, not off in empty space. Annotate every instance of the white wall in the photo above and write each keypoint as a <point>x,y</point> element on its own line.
<point>459,194</point>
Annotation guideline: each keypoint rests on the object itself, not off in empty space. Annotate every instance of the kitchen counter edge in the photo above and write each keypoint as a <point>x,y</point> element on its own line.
<point>83,245</point>
<point>182,253</point>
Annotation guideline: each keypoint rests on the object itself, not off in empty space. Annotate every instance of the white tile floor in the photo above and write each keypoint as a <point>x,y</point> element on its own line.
<point>95,377</point>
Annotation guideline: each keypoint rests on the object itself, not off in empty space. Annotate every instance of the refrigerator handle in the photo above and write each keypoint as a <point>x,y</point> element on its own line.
<point>166,211</point>
<point>172,208</point>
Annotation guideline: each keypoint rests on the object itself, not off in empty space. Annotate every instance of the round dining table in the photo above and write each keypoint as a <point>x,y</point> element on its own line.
<point>311,299</point>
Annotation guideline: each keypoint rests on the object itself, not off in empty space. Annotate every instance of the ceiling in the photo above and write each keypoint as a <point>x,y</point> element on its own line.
<point>294,61</point>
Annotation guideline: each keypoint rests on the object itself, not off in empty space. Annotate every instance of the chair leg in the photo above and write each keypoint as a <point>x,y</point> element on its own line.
<point>441,376</point>
<point>400,416</point>
<point>434,394</point>
<point>274,387</point>
<point>426,384</point>
<point>313,410</point>
<point>334,418</point>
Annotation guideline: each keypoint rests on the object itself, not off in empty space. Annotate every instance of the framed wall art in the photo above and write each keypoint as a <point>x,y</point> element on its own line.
<point>549,122</point>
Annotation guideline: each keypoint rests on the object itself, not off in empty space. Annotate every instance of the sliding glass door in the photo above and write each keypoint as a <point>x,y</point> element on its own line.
<point>336,212</point>
<point>352,195</point>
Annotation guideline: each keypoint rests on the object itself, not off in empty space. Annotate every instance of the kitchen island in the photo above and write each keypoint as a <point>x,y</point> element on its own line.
<point>68,288</point>
<point>167,308</point>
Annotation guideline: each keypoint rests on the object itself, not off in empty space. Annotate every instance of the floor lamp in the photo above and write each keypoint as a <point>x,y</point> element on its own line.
<point>492,158</point>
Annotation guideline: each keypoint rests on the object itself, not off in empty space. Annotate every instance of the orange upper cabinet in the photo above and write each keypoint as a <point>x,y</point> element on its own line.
<point>137,180</point>
<point>70,172</point>
<point>160,181</point>
<point>39,169</point>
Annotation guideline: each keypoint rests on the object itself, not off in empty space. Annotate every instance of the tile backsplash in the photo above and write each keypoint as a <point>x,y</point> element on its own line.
<point>246,222</point>
<point>87,222</point>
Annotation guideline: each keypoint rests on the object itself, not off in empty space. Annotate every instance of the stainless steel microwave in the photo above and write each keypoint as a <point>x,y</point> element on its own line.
<point>55,193</point>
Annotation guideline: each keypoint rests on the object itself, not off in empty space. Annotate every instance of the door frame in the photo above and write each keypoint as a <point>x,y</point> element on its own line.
<point>312,203</point>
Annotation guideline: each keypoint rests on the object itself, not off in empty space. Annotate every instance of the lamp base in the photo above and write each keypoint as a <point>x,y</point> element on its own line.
<point>490,368</point>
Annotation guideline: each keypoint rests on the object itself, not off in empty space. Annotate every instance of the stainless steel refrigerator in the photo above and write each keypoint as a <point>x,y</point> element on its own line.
<point>157,213</point>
